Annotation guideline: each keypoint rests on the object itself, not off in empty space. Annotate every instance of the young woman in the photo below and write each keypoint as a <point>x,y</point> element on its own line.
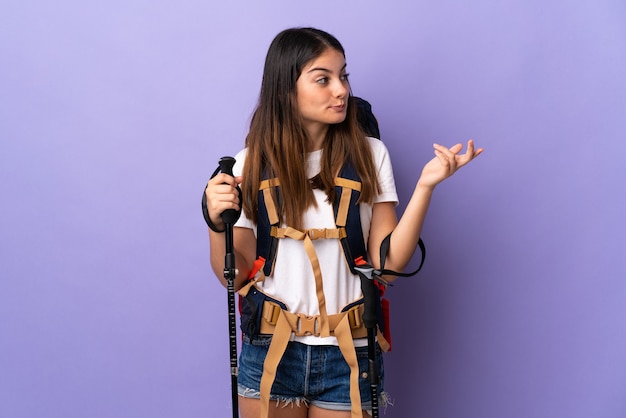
<point>303,134</point>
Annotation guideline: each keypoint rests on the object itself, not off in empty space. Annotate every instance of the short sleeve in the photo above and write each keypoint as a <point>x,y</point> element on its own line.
<point>243,221</point>
<point>382,160</point>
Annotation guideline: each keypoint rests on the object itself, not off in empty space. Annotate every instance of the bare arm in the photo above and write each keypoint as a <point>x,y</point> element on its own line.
<point>244,242</point>
<point>406,232</point>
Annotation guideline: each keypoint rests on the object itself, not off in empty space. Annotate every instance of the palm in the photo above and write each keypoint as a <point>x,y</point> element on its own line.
<point>446,162</point>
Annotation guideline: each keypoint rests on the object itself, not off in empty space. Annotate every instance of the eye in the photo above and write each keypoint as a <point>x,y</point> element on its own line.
<point>322,80</point>
<point>345,77</point>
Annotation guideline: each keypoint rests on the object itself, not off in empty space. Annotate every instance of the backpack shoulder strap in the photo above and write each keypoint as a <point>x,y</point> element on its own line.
<point>267,244</point>
<point>348,216</point>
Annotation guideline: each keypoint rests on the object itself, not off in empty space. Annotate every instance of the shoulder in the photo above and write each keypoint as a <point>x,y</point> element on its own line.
<point>240,158</point>
<point>380,153</point>
<point>384,168</point>
<point>375,142</point>
<point>377,146</point>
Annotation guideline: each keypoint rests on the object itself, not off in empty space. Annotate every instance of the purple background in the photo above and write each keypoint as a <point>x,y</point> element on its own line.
<point>113,115</point>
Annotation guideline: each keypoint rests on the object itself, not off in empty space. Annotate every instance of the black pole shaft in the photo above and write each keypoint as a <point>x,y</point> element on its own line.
<point>229,275</point>
<point>370,320</point>
<point>373,369</point>
<point>229,217</point>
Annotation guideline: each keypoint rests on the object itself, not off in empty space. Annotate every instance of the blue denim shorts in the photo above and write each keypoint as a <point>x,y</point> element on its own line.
<point>310,374</point>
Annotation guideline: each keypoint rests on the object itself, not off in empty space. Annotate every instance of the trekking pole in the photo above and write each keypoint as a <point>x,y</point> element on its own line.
<point>370,320</point>
<point>229,217</point>
<point>371,296</point>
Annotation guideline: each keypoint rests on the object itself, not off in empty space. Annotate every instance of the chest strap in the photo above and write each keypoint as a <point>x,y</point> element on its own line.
<point>313,234</point>
<point>346,213</point>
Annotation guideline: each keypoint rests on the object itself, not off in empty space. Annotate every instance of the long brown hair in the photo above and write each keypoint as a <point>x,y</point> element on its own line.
<point>277,141</point>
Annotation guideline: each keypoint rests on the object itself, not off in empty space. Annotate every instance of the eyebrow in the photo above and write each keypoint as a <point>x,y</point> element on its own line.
<point>326,70</point>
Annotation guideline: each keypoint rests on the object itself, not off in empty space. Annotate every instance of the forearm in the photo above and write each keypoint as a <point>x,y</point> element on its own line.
<point>406,234</point>
<point>218,260</point>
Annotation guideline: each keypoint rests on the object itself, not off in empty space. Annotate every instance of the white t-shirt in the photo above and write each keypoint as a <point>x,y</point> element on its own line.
<point>293,281</point>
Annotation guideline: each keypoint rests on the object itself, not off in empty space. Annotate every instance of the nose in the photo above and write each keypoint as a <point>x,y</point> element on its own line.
<point>341,89</point>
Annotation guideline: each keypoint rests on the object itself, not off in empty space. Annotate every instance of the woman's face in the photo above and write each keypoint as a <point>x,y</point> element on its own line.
<point>322,91</point>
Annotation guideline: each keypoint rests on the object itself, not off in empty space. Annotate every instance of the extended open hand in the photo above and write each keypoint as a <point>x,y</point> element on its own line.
<point>446,162</point>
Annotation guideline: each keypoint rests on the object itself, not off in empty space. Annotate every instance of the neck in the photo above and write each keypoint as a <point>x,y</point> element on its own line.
<point>317,134</point>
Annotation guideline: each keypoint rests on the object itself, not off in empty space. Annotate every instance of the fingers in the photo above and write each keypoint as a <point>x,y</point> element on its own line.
<point>476,152</point>
<point>470,154</point>
<point>456,148</point>
<point>222,194</point>
<point>450,157</point>
<point>223,178</point>
<point>472,150</point>
<point>447,156</point>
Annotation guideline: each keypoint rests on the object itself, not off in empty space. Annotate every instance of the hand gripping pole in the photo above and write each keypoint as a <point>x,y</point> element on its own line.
<point>229,217</point>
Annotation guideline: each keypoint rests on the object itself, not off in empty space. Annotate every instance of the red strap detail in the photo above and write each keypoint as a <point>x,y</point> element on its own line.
<point>258,265</point>
<point>381,287</point>
<point>359,261</point>
<point>384,304</point>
